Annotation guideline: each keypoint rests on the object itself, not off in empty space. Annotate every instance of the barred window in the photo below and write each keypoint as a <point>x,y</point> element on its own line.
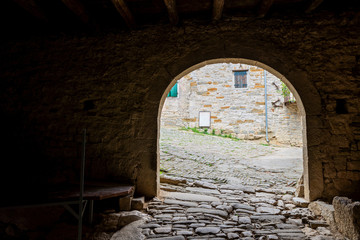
<point>240,77</point>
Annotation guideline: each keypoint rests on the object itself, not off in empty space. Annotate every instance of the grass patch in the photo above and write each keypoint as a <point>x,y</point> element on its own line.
<point>205,131</point>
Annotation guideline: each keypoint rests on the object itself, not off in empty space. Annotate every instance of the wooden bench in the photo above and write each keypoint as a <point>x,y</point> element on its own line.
<point>67,195</point>
<point>92,191</point>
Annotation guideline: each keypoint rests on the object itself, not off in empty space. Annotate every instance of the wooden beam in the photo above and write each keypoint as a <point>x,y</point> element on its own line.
<point>218,7</point>
<point>124,11</point>
<point>313,5</point>
<point>264,7</point>
<point>77,8</point>
<point>31,7</point>
<point>172,11</point>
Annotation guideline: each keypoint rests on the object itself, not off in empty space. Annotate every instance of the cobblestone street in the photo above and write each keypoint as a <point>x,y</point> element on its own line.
<point>218,188</point>
<point>198,156</point>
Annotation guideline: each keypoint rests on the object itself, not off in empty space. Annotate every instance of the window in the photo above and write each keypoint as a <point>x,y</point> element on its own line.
<point>174,91</point>
<point>240,78</point>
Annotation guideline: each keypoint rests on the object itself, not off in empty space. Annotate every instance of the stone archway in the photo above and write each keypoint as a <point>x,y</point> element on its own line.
<point>312,176</point>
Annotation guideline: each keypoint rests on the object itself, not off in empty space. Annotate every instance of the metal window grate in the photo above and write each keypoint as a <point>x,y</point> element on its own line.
<point>240,79</point>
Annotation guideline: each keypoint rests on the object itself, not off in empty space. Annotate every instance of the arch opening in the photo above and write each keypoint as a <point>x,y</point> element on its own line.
<point>282,78</point>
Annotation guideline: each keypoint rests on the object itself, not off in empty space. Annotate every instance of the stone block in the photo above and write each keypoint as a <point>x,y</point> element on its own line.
<point>172,180</point>
<point>325,210</point>
<point>126,218</point>
<point>300,187</point>
<point>138,203</point>
<point>353,165</point>
<point>329,170</point>
<point>316,223</point>
<point>300,202</point>
<point>347,217</point>
<point>205,184</point>
<point>125,203</point>
<point>130,231</point>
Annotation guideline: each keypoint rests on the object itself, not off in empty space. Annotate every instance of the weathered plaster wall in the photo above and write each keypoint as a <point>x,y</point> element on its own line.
<point>236,111</point>
<point>54,86</point>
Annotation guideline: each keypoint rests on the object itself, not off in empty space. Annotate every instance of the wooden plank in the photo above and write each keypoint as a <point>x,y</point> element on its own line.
<point>92,192</point>
<point>31,7</point>
<point>78,9</point>
<point>99,193</point>
<point>124,11</point>
<point>313,5</point>
<point>172,11</point>
<point>264,7</point>
<point>218,7</point>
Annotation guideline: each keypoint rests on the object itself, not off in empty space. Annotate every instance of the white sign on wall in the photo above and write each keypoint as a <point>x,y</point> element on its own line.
<point>204,119</point>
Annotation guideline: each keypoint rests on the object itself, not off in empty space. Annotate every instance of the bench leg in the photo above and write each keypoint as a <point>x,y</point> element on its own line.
<point>91,211</point>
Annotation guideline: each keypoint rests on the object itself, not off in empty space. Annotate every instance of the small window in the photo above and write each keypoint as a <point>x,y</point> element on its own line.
<point>240,79</point>
<point>174,91</point>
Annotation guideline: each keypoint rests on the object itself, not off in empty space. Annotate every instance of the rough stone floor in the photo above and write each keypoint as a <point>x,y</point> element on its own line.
<point>197,156</point>
<point>218,188</point>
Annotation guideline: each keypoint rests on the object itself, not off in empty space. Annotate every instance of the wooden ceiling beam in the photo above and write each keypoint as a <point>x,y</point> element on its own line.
<point>218,7</point>
<point>172,11</point>
<point>313,5</point>
<point>77,8</point>
<point>125,12</point>
<point>264,8</point>
<point>32,7</point>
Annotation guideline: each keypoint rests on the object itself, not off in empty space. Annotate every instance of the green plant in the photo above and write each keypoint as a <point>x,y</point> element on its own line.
<point>206,131</point>
<point>284,90</point>
<point>195,130</point>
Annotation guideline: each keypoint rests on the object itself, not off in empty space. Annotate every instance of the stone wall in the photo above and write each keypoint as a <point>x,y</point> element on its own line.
<point>236,111</point>
<point>113,84</point>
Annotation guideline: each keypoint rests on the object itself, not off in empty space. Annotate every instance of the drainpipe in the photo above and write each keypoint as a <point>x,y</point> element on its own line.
<point>266,109</point>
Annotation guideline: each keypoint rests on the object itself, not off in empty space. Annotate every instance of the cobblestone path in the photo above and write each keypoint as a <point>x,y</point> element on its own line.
<point>198,156</point>
<point>217,188</point>
<point>205,210</point>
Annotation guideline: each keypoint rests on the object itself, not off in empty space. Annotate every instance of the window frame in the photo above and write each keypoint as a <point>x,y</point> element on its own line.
<point>242,72</point>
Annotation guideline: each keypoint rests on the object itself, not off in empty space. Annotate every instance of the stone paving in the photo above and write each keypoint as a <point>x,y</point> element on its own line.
<point>208,210</point>
<point>251,197</point>
<point>198,156</point>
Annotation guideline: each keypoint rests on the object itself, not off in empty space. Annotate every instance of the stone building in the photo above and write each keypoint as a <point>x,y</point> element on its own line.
<point>212,97</point>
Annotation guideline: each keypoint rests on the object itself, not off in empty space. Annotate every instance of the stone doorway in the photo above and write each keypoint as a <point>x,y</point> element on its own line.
<point>242,120</point>
<point>207,193</point>
<point>301,110</point>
